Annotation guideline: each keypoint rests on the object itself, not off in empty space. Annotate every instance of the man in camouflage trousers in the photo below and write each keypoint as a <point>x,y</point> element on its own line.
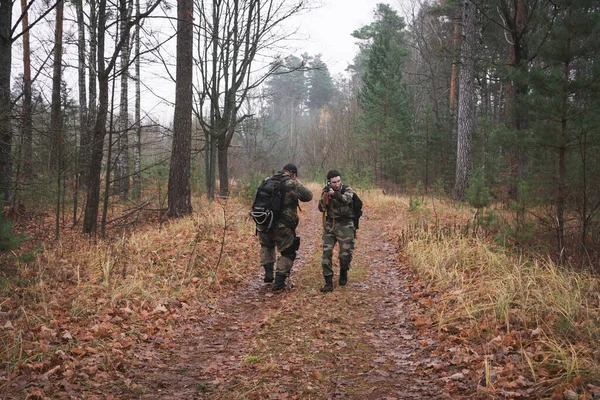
<point>283,234</point>
<point>338,226</point>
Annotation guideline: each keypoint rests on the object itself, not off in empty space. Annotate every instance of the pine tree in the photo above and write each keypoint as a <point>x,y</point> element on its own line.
<point>384,122</point>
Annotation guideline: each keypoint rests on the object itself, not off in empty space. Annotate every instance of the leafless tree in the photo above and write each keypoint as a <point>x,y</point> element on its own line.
<point>122,162</point>
<point>232,32</point>
<point>99,132</point>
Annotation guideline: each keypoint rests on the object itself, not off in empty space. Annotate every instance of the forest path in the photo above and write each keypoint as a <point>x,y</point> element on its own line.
<point>364,340</point>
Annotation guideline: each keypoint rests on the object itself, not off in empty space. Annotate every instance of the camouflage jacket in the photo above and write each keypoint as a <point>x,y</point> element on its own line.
<point>340,204</point>
<point>294,192</point>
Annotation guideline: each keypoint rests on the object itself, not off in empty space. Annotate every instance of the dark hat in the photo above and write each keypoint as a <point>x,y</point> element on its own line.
<point>290,168</point>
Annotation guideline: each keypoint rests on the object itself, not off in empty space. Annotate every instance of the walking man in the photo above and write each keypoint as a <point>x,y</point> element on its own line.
<point>338,226</point>
<point>281,233</point>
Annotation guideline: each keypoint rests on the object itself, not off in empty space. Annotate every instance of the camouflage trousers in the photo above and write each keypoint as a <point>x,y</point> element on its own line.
<point>343,232</point>
<point>281,238</point>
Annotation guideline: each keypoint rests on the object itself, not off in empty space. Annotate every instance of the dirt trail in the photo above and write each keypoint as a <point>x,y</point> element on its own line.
<point>357,342</point>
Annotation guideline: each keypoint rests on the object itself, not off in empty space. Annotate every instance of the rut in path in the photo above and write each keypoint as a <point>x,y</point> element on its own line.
<point>354,343</point>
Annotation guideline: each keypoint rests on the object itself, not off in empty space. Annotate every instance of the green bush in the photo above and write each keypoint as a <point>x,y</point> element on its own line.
<point>414,203</point>
<point>478,194</point>
<point>8,240</point>
<point>249,186</point>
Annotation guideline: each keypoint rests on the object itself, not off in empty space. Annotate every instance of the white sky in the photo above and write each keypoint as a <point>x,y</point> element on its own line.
<point>328,30</point>
<point>325,29</point>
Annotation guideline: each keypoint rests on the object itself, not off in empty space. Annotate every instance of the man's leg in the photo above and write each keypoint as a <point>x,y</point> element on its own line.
<point>267,254</point>
<point>284,238</point>
<point>329,241</point>
<point>345,234</point>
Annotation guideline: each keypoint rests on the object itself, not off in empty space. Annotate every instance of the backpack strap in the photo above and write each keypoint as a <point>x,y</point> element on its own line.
<point>283,178</point>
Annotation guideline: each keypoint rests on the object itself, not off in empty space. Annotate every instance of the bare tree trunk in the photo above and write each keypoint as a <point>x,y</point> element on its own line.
<point>562,166</point>
<point>466,102</point>
<point>122,170</point>
<point>456,43</point>
<point>55,111</point>
<point>210,159</point>
<point>27,122</point>
<point>223,163</point>
<point>90,219</point>
<point>516,91</point>
<point>83,110</point>
<point>109,165</point>
<point>5,102</point>
<point>179,195</point>
<point>137,137</point>
<point>93,76</point>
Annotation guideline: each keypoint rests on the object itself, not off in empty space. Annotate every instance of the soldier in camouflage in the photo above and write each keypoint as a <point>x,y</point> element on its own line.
<point>338,226</point>
<point>283,234</point>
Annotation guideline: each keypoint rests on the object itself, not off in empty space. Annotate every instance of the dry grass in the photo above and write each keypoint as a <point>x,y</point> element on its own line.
<point>547,315</point>
<point>75,284</point>
<point>550,315</point>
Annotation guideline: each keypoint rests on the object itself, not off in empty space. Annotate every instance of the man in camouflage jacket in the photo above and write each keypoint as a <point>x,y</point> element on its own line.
<point>338,226</point>
<point>283,234</point>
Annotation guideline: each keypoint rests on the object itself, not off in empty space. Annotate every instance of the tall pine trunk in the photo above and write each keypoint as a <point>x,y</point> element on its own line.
<point>55,108</point>
<point>179,194</point>
<point>5,101</point>
<point>92,80</point>
<point>27,121</point>
<point>466,102</point>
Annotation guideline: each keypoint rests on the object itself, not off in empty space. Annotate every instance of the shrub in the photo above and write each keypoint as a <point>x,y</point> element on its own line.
<point>8,240</point>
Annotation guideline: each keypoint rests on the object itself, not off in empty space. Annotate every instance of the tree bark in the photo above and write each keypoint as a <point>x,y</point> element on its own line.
<point>27,121</point>
<point>92,78</point>
<point>5,101</point>
<point>55,111</point>
<point>122,164</point>
<point>83,108</point>
<point>453,79</point>
<point>137,137</point>
<point>466,102</point>
<point>90,219</point>
<point>179,194</point>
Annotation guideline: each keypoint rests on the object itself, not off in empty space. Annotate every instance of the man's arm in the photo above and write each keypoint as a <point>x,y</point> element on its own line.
<point>345,197</point>
<point>303,193</point>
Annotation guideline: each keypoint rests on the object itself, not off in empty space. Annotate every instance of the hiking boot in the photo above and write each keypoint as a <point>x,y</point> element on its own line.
<point>328,284</point>
<point>268,272</point>
<point>343,277</point>
<point>279,282</point>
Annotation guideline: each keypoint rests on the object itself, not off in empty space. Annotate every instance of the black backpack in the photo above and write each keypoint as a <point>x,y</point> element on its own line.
<point>356,206</point>
<point>268,203</point>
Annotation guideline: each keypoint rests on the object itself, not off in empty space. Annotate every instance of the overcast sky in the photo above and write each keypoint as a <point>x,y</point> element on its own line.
<point>325,29</point>
<point>328,29</point>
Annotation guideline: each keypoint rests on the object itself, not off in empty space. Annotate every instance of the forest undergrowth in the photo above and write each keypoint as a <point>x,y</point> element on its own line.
<point>74,312</point>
